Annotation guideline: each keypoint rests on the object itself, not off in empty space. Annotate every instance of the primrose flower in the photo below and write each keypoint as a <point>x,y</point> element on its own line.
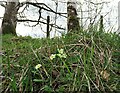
<point>38,66</point>
<point>59,55</point>
<point>52,56</point>
<point>62,55</point>
<point>60,51</point>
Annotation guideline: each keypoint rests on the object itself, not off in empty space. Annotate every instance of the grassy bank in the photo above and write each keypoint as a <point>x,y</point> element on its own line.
<point>82,62</point>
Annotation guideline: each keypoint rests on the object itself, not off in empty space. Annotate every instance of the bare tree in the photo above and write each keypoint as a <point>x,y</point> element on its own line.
<point>11,11</point>
<point>9,20</point>
<point>73,22</point>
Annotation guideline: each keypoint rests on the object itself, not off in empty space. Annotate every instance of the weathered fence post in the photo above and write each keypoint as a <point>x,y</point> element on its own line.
<point>48,21</point>
<point>101,24</point>
<point>72,21</point>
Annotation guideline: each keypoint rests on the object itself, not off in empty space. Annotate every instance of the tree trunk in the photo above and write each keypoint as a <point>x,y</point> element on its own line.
<point>72,21</point>
<point>10,17</point>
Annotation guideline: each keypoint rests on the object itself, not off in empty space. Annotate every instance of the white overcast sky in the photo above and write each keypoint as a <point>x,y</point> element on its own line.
<point>36,32</point>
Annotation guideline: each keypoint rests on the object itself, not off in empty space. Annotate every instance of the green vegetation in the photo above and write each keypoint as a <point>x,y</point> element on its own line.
<point>87,61</point>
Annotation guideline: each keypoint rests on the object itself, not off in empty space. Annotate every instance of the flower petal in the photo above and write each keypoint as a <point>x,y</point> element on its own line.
<point>38,66</point>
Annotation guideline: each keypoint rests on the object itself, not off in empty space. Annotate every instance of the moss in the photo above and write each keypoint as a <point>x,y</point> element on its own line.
<point>73,23</point>
<point>8,29</point>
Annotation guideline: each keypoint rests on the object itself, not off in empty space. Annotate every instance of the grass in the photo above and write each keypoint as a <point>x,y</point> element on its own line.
<point>91,63</point>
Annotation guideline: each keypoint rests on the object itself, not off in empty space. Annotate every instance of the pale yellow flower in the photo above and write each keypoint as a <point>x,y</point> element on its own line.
<point>60,51</point>
<point>38,66</point>
<point>62,55</point>
<point>52,56</point>
<point>59,55</point>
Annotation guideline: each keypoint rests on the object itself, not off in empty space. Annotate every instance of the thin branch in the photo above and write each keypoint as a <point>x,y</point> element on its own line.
<point>97,3</point>
<point>27,20</point>
<point>47,8</point>
<point>3,5</point>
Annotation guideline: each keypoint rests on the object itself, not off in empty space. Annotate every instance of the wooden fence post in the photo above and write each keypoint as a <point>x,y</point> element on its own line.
<point>101,23</point>
<point>48,21</point>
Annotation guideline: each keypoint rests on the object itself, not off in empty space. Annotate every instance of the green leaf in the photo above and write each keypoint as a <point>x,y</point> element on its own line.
<point>47,88</point>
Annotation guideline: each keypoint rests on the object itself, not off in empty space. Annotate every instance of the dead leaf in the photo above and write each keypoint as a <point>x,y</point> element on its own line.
<point>105,75</point>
